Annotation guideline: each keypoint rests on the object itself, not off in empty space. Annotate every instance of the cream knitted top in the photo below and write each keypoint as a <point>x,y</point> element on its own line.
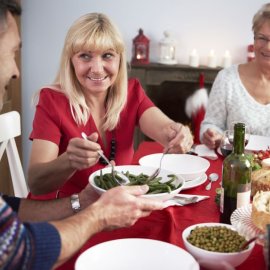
<point>230,101</point>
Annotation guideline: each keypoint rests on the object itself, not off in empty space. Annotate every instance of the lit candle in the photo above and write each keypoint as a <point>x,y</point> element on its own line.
<point>212,61</point>
<point>226,60</point>
<point>194,58</point>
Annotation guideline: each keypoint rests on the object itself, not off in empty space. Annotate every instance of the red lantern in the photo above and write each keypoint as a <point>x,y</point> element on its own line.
<point>140,49</point>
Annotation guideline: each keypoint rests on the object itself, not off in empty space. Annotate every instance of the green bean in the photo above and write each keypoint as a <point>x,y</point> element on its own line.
<point>109,180</point>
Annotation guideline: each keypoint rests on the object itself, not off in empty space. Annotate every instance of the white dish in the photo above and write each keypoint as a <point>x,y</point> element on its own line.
<point>257,142</point>
<point>190,167</point>
<point>215,260</point>
<point>241,221</point>
<point>135,254</point>
<point>137,169</point>
<point>195,183</point>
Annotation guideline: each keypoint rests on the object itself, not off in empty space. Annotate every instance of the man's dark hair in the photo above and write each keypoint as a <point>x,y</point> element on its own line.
<point>9,5</point>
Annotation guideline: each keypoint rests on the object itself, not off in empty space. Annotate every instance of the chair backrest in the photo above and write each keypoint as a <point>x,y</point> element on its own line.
<point>10,127</point>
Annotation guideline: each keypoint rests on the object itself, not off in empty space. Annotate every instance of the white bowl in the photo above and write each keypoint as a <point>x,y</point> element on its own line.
<point>136,169</point>
<point>211,259</point>
<point>190,167</point>
<point>135,254</point>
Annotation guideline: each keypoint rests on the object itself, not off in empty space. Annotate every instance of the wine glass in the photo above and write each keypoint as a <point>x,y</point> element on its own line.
<point>226,143</point>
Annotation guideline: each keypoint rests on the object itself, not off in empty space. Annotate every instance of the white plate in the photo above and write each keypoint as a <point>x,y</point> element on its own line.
<point>137,169</point>
<point>135,254</point>
<point>257,142</point>
<point>195,183</point>
<point>241,221</point>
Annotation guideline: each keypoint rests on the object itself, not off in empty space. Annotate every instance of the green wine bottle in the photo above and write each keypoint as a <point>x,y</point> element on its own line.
<point>236,177</point>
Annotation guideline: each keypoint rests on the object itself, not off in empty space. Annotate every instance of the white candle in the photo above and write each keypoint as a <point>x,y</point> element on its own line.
<point>194,58</point>
<point>226,60</point>
<point>212,60</point>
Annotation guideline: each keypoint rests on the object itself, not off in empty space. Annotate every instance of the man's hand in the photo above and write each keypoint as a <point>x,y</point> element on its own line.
<point>122,206</point>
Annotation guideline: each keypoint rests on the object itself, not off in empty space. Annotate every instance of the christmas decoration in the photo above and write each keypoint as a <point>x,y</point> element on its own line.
<point>140,49</point>
<point>195,108</point>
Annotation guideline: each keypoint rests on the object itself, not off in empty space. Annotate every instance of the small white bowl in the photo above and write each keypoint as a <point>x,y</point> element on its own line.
<point>135,254</point>
<point>211,259</point>
<point>190,167</point>
<point>136,169</point>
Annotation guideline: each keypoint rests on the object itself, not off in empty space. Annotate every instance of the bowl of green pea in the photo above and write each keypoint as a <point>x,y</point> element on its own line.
<point>216,245</point>
<point>165,186</point>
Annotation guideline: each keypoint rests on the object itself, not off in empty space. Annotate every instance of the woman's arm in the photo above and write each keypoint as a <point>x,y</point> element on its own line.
<point>48,171</point>
<point>156,125</point>
<point>214,121</point>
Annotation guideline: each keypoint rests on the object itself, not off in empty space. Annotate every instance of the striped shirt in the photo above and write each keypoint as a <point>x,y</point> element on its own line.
<point>26,245</point>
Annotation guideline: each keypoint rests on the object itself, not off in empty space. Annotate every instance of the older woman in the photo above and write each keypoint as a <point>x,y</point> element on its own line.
<point>242,92</point>
<point>92,95</point>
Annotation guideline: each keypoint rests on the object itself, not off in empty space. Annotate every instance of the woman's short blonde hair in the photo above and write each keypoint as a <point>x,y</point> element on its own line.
<point>90,32</point>
<point>262,15</point>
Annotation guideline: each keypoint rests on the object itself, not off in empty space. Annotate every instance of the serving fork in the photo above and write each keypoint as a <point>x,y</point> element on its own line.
<point>124,178</point>
<point>157,171</point>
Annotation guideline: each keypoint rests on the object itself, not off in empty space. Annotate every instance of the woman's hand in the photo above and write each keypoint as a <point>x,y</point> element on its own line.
<point>180,138</point>
<point>82,153</point>
<point>211,138</point>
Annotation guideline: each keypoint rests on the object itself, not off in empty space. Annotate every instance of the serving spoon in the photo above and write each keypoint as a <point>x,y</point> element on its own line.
<point>212,177</point>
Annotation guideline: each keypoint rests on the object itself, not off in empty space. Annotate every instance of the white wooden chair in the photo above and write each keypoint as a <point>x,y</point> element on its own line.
<point>10,127</point>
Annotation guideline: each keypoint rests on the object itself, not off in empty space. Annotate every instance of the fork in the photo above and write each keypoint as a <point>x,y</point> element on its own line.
<point>157,171</point>
<point>124,178</point>
<point>184,200</point>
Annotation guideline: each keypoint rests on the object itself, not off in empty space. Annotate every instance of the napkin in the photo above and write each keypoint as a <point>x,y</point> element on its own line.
<point>203,151</point>
<point>180,199</point>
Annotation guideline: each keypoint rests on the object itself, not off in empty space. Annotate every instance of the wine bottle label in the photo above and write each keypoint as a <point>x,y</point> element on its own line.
<point>221,206</point>
<point>243,198</point>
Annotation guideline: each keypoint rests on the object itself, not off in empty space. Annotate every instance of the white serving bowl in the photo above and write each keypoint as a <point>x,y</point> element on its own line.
<point>211,259</point>
<point>136,169</point>
<point>135,254</point>
<point>190,167</point>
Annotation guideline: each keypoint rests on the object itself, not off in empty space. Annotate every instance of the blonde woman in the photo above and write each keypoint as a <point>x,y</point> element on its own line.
<point>241,92</point>
<point>92,94</point>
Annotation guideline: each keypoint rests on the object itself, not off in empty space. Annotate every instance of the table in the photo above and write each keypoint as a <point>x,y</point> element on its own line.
<point>167,225</point>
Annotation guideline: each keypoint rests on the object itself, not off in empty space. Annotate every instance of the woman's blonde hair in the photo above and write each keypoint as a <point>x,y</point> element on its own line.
<point>262,15</point>
<point>90,32</point>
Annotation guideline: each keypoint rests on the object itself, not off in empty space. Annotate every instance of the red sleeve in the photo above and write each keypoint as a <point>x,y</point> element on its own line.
<point>47,120</point>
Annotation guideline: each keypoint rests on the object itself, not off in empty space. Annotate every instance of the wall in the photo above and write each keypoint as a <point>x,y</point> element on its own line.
<point>209,24</point>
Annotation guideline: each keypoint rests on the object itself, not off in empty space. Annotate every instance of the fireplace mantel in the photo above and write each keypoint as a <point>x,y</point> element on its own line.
<point>156,74</point>
<point>169,86</point>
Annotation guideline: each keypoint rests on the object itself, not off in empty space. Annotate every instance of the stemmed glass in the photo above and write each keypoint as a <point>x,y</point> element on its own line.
<point>226,143</point>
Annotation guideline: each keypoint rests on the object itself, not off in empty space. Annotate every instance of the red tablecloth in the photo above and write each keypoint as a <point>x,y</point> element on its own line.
<point>167,225</point>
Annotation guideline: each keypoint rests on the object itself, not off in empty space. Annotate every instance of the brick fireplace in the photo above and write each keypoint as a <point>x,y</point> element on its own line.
<point>169,86</point>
